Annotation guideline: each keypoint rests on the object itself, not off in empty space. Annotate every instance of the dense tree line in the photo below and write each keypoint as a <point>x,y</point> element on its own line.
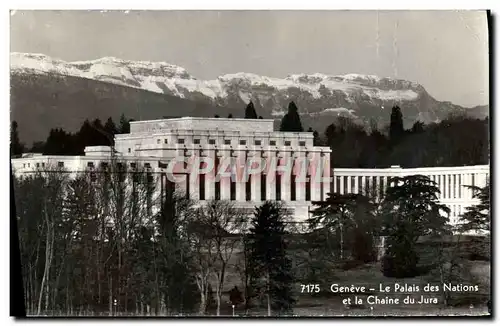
<point>61,142</point>
<point>437,144</point>
<point>106,242</point>
<point>353,146</point>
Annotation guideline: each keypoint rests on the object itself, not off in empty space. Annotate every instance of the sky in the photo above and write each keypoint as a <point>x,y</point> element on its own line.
<point>445,51</point>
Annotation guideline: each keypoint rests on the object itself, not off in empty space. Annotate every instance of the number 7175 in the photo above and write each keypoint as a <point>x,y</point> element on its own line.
<point>309,288</point>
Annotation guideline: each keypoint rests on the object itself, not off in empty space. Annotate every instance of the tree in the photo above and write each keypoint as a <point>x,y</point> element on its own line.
<point>235,296</point>
<point>51,209</point>
<point>124,125</point>
<point>291,120</point>
<point>330,133</point>
<point>110,127</point>
<point>216,116</point>
<point>202,247</point>
<point>418,127</point>
<point>174,252</point>
<point>230,116</point>
<point>37,147</point>
<point>16,147</point>
<point>270,266</point>
<point>396,130</point>
<point>346,216</point>
<point>222,223</point>
<point>101,137</point>
<point>477,217</point>
<point>250,111</point>
<point>60,142</point>
<point>410,210</point>
<point>316,139</point>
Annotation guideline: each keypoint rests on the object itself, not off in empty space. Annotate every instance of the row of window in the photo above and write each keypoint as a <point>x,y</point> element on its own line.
<point>120,165</point>
<point>257,142</point>
<point>59,164</point>
<point>197,141</point>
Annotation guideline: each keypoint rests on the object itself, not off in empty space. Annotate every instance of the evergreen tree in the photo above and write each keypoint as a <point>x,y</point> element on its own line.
<point>342,221</point>
<point>291,120</point>
<point>110,127</point>
<point>417,127</point>
<point>124,125</point>
<point>410,210</point>
<point>269,265</point>
<point>250,111</point>
<point>111,130</point>
<point>477,217</point>
<point>16,147</point>
<point>330,133</point>
<point>316,139</point>
<point>230,116</point>
<point>102,138</point>
<point>396,128</point>
<point>37,147</point>
<point>59,142</point>
<point>85,136</point>
<point>180,291</point>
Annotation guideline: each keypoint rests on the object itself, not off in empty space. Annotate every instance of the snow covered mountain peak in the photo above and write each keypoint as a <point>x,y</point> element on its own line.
<point>230,89</point>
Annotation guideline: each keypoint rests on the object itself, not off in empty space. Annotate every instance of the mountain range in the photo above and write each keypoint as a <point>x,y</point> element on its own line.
<point>48,93</point>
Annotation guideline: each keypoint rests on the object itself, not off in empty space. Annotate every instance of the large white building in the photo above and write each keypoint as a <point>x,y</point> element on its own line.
<point>225,145</point>
<point>196,153</point>
<point>451,181</point>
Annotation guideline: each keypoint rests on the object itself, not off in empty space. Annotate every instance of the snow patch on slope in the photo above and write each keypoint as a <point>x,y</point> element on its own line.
<point>336,111</point>
<point>148,75</point>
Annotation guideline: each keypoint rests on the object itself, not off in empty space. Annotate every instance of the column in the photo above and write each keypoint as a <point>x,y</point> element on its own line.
<point>341,185</point>
<point>240,177</point>
<point>225,181</point>
<point>271,175</point>
<point>457,185</point>
<point>465,183</point>
<point>327,175</point>
<point>194,177</point>
<point>210,175</point>
<point>363,185</point>
<point>462,188</point>
<point>286,170</point>
<point>378,186</point>
<point>300,176</point>
<point>482,179</point>
<point>316,174</point>
<point>441,185</point>
<point>356,184</point>
<point>449,188</point>
<point>255,184</point>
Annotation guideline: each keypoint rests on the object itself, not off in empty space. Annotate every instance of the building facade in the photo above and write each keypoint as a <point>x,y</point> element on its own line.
<point>451,181</point>
<point>242,160</point>
<point>245,161</point>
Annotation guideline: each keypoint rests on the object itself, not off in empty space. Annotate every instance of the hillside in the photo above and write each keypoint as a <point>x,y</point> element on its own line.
<point>64,93</point>
<point>41,102</point>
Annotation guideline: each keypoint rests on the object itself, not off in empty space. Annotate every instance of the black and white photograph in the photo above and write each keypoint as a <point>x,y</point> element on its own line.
<point>250,163</point>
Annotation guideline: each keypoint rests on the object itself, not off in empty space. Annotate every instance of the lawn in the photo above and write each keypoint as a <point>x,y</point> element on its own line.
<point>326,303</point>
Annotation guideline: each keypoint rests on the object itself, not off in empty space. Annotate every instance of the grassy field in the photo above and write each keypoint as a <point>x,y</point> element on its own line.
<point>326,303</point>
<point>473,271</point>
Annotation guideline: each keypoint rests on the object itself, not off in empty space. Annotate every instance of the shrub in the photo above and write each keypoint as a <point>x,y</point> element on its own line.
<point>400,261</point>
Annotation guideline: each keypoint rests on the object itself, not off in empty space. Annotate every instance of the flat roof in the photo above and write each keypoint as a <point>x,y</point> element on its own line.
<point>201,118</point>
